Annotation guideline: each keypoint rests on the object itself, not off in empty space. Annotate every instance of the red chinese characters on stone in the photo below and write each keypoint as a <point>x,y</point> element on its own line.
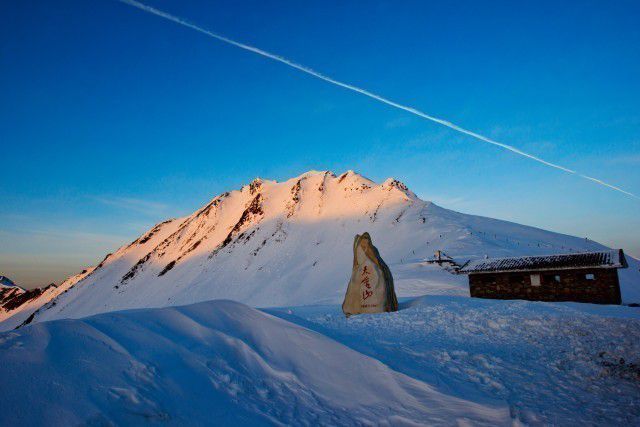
<point>366,281</point>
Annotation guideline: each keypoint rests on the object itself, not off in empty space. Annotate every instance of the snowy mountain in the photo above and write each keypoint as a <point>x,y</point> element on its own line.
<point>11,296</point>
<point>18,305</point>
<point>5,282</point>
<point>183,359</point>
<point>289,243</point>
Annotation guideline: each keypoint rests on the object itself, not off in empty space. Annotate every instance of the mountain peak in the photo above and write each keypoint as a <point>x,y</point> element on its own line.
<point>392,183</point>
<point>6,282</point>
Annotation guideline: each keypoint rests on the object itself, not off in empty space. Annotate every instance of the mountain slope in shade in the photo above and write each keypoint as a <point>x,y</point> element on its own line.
<point>217,362</point>
<point>5,282</point>
<point>289,243</point>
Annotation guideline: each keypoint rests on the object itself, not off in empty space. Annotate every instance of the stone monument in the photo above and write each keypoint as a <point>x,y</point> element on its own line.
<point>370,289</point>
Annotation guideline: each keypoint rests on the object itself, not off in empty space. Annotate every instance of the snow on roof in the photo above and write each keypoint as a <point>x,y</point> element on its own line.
<point>602,259</point>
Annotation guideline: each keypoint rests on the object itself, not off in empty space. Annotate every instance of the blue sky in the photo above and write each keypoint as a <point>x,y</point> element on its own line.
<point>112,119</point>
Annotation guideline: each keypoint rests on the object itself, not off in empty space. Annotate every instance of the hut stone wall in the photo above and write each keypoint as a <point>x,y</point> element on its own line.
<point>592,285</point>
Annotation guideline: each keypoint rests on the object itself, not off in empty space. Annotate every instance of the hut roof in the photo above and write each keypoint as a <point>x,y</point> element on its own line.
<point>602,259</point>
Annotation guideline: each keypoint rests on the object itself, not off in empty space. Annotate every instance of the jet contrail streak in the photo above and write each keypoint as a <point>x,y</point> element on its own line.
<point>361,91</point>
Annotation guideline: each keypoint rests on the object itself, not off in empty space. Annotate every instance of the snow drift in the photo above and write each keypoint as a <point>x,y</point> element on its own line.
<point>561,364</point>
<point>217,363</point>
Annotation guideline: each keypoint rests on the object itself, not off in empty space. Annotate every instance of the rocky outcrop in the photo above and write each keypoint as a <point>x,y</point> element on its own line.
<point>8,294</point>
<point>12,298</point>
<point>253,212</point>
<point>296,191</point>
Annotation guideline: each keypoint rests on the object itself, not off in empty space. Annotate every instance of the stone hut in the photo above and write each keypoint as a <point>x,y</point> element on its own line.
<point>582,277</point>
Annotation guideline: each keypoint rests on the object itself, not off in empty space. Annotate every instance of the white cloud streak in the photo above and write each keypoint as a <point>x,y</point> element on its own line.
<point>365,92</point>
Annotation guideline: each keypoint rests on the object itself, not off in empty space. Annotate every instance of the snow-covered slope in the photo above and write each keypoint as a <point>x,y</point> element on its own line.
<point>11,295</point>
<point>213,363</point>
<point>440,360</point>
<point>8,290</point>
<point>555,364</point>
<point>289,243</point>
<point>17,308</point>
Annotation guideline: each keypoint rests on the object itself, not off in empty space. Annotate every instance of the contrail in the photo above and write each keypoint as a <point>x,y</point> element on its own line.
<point>361,91</point>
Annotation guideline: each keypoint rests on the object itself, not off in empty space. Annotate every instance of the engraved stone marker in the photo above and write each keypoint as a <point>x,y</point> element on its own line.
<point>370,289</point>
